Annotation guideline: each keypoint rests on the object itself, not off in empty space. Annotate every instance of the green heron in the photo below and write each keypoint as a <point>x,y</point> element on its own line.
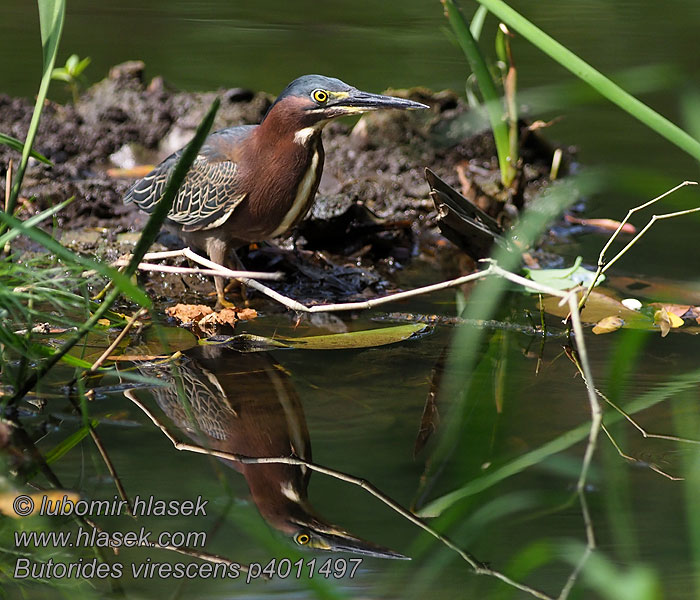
<point>245,403</point>
<point>254,182</point>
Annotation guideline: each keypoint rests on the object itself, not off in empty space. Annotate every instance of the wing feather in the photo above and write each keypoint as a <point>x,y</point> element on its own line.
<point>210,192</point>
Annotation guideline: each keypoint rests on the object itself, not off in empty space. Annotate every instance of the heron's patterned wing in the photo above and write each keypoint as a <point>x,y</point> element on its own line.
<point>210,192</point>
<point>208,404</point>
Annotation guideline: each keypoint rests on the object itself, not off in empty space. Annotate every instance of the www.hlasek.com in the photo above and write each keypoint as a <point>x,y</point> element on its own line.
<point>90,537</point>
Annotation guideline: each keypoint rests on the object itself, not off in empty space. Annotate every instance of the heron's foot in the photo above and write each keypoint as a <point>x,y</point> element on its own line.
<point>242,288</point>
<point>221,301</point>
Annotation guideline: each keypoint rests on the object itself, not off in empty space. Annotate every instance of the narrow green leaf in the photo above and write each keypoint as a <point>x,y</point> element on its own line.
<point>16,144</point>
<point>73,361</point>
<point>477,23</point>
<point>35,220</point>
<point>369,338</point>
<point>81,66</point>
<point>120,280</point>
<point>60,74</point>
<point>594,78</point>
<point>72,63</point>
<point>160,213</point>
<point>51,16</point>
<point>492,99</point>
<point>63,447</point>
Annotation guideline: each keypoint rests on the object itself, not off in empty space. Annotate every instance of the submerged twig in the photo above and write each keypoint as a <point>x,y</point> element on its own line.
<point>122,334</point>
<point>636,461</point>
<point>642,430</point>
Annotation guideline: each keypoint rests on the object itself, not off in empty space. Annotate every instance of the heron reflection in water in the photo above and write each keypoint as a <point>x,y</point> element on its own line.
<point>245,404</point>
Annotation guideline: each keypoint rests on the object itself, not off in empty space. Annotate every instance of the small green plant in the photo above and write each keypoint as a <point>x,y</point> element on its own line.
<point>72,74</point>
<point>502,116</point>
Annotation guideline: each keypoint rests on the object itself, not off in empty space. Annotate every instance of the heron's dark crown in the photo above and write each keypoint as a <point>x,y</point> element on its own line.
<point>303,86</point>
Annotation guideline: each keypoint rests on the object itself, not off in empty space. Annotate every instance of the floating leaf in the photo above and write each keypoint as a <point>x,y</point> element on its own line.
<point>603,224</point>
<point>563,279</point>
<point>665,290</point>
<point>678,310</point>
<point>608,325</point>
<point>368,338</point>
<point>599,306</point>
<point>666,321</point>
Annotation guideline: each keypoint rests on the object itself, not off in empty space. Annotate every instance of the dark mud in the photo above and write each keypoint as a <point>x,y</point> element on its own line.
<point>372,214</point>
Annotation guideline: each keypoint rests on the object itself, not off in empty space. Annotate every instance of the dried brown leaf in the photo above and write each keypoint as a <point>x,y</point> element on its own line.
<point>608,325</point>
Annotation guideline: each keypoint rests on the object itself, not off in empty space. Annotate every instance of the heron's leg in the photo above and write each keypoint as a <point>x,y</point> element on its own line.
<point>237,266</point>
<point>218,252</point>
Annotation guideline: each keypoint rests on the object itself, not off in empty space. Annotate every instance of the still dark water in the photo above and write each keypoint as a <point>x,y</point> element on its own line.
<point>362,408</point>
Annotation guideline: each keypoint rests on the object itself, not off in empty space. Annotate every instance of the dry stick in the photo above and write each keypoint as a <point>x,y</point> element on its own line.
<point>244,277</point>
<point>8,188</point>
<point>644,432</point>
<point>479,568</point>
<point>112,471</point>
<point>130,323</point>
<point>602,266</point>
<point>216,269</point>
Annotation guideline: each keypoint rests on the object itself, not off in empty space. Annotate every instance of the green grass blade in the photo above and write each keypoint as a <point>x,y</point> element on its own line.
<point>34,221</point>
<point>477,23</point>
<point>16,144</point>
<point>121,281</point>
<point>492,99</point>
<point>51,16</point>
<point>594,78</point>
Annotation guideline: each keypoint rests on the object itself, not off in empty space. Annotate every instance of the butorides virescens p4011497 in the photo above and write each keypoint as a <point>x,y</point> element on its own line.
<point>255,182</point>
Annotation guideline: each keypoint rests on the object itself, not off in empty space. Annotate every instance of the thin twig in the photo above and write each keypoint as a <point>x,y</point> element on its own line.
<point>8,188</point>
<point>245,278</point>
<point>112,471</point>
<point>602,266</point>
<point>595,408</point>
<point>105,355</point>
<point>8,184</point>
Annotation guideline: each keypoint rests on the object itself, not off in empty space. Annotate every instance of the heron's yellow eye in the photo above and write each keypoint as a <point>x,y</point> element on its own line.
<point>320,96</point>
<point>303,538</point>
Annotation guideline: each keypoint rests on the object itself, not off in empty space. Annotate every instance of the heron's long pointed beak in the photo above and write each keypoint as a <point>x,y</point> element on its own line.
<point>356,102</point>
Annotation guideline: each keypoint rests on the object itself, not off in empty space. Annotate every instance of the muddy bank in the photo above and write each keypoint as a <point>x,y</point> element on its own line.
<point>372,213</point>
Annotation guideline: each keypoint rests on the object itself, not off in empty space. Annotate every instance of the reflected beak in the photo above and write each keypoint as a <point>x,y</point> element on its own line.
<point>356,102</point>
<point>344,542</point>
